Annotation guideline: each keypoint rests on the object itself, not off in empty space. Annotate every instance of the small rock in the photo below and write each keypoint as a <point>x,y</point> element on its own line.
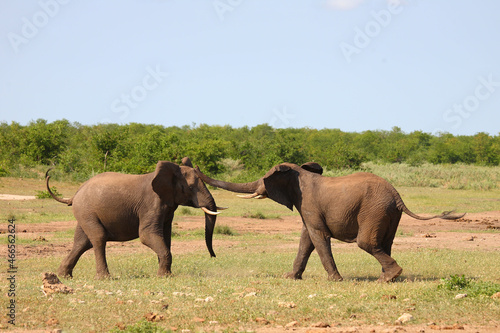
<point>405,317</point>
<point>154,317</point>
<point>292,324</point>
<point>289,305</point>
<point>389,297</point>
<point>320,325</point>
<point>52,284</point>
<point>52,321</point>
<point>458,296</point>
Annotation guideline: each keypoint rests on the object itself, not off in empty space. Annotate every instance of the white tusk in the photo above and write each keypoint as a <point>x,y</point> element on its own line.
<point>249,196</point>
<point>222,208</point>
<point>260,196</point>
<point>209,212</point>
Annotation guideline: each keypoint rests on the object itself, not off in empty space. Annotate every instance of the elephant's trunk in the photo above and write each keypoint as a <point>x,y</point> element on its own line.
<point>209,227</point>
<point>233,187</point>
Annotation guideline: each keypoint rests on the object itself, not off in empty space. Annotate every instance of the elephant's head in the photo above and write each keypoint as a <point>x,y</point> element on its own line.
<point>280,184</point>
<point>180,185</point>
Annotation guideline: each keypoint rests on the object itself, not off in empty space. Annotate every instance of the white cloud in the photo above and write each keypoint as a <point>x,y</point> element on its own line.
<point>343,4</point>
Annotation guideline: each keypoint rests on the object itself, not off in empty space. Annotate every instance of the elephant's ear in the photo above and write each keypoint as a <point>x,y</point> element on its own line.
<point>278,184</point>
<point>187,162</point>
<point>312,167</point>
<point>164,181</point>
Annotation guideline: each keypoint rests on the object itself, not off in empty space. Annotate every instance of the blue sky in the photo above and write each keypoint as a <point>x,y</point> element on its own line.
<point>355,65</point>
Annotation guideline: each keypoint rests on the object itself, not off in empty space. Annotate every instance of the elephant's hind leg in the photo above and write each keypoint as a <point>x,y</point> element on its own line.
<point>81,243</point>
<point>378,243</point>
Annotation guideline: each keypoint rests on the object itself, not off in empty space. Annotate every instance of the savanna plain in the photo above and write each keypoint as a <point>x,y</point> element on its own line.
<point>242,289</point>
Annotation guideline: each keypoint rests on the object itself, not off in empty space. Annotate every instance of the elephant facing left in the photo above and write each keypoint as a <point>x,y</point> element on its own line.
<point>120,207</point>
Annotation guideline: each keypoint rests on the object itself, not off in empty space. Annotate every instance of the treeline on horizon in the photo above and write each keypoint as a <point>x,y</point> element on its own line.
<point>82,150</point>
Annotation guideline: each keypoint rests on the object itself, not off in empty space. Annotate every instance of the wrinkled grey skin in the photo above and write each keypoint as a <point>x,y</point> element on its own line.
<point>361,207</point>
<point>119,207</point>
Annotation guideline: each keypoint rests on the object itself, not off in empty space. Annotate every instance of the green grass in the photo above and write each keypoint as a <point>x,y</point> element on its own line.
<point>448,176</point>
<point>242,271</point>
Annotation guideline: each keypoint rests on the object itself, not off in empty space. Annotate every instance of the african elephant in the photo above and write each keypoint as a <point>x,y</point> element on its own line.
<point>120,207</point>
<point>361,207</point>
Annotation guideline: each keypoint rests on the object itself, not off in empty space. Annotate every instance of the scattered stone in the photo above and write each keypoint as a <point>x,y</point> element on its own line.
<point>52,321</point>
<point>460,296</point>
<point>292,324</point>
<point>405,317</point>
<point>289,305</point>
<point>52,284</point>
<point>121,326</point>
<point>154,317</point>
<point>389,297</point>
<point>447,327</point>
<point>320,325</point>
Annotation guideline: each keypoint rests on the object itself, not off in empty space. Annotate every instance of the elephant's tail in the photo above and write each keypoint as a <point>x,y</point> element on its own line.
<point>68,202</point>
<point>449,215</point>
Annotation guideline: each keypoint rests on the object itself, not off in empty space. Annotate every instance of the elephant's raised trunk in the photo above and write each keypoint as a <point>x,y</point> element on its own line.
<point>233,187</point>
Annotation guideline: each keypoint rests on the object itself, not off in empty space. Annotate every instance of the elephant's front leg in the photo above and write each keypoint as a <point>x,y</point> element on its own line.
<point>322,242</point>
<point>305,249</point>
<point>156,242</point>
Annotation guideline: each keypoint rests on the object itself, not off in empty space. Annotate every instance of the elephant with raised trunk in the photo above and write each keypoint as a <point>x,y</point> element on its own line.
<point>120,207</point>
<point>361,208</point>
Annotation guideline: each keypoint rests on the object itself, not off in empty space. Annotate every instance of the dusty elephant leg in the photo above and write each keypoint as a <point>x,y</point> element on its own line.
<point>98,239</point>
<point>157,243</point>
<point>81,243</point>
<point>306,247</point>
<point>322,243</point>
<point>390,268</point>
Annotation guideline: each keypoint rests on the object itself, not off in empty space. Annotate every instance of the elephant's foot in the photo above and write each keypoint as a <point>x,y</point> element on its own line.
<point>65,272</point>
<point>390,275</point>
<point>103,275</point>
<point>335,277</point>
<point>163,273</point>
<point>292,275</point>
